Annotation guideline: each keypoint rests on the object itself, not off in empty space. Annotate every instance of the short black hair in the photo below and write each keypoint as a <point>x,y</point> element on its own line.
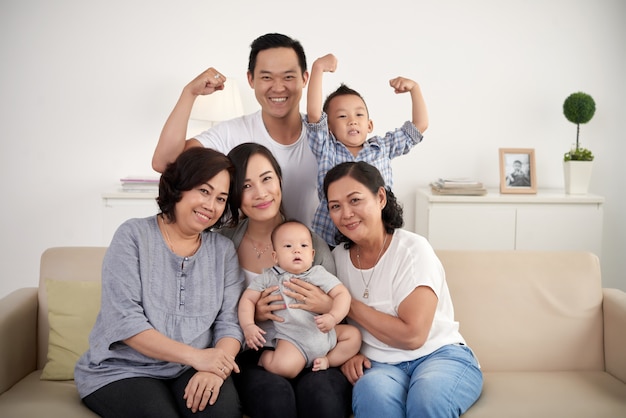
<point>193,167</point>
<point>370,177</point>
<point>275,40</point>
<point>342,90</point>
<point>289,222</point>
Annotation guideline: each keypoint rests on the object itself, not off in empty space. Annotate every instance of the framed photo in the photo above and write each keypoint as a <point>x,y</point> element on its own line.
<point>517,170</point>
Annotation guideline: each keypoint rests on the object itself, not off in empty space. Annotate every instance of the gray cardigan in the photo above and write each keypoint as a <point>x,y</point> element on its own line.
<point>192,300</point>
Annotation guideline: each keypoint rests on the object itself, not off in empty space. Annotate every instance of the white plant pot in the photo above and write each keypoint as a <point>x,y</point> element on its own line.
<point>577,175</point>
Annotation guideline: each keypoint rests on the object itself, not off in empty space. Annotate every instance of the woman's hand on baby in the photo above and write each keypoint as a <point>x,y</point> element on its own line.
<point>264,309</point>
<point>309,297</point>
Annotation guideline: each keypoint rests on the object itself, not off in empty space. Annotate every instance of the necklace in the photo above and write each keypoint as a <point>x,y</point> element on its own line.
<point>258,253</point>
<point>366,292</point>
<point>169,241</point>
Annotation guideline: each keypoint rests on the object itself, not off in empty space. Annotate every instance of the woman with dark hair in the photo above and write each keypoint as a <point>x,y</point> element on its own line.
<point>166,337</point>
<point>413,360</point>
<point>256,207</point>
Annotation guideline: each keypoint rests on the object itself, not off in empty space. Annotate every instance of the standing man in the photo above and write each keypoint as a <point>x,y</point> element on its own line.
<point>277,72</point>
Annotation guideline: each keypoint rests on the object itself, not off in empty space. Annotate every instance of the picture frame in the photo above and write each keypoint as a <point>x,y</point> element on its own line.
<point>517,170</point>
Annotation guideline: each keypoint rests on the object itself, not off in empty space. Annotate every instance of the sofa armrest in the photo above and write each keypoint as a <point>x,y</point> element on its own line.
<point>614,308</point>
<point>18,336</point>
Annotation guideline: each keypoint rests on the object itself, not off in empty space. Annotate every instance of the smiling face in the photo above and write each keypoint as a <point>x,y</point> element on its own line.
<point>293,247</point>
<point>355,210</point>
<point>202,206</point>
<point>261,195</point>
<point>349,121</point>
<point>278,81</point>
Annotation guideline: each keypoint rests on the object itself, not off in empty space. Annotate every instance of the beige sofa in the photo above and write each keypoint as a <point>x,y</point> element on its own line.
<point>551,341</point>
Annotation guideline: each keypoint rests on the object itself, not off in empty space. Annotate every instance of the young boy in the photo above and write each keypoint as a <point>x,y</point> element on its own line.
<point>303,339</point>
<point>337,132</point>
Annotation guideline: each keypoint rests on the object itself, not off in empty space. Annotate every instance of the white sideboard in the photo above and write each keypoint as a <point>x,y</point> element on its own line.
<point>120,206</point>
<point>548,220</point>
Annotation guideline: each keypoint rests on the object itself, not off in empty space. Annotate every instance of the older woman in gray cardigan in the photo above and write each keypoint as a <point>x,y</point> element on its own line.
<point>166,337</point>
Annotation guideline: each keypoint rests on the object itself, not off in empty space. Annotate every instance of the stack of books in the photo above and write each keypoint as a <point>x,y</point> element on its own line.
<point>458,187</point>
<point>140,184</point>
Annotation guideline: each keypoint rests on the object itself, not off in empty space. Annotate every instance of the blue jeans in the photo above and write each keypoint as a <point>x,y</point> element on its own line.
<point>444,383</point>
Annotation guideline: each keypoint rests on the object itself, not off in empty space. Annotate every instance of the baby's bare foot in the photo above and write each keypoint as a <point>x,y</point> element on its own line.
<point>320,363</point>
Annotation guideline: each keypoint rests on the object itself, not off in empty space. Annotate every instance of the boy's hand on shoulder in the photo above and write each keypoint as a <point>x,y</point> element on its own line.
<point>402,85</point>
<point>327,63</point>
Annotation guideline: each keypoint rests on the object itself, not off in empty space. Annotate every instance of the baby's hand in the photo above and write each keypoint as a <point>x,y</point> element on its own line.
<point>401,84</point>
<point>254,336</point>
<point>325,322</point>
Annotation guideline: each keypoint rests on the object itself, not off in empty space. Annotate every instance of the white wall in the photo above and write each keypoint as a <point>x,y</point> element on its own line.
<point>86,87</point>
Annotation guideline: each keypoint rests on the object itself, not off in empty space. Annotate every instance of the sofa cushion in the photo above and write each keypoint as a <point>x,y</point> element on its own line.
<point>528,310</point>
<point>63,263</point>
<point>33,397</point>
<point>575,394</point>
<point>72,310</point>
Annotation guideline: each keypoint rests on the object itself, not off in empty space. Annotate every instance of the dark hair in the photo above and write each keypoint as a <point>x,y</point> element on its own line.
<point>240,155</point>
<point>370,177</point>
<point>342,90</point>
<point>288,222</point>
<point>275,40</point>
<point>192,168</point>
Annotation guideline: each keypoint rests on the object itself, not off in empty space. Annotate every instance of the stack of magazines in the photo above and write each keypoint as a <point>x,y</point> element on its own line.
<point>139,184</point>
<point>458,186</point>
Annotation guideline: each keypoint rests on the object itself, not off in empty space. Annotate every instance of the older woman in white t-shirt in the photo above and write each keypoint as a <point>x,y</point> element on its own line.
<point>413,360</point>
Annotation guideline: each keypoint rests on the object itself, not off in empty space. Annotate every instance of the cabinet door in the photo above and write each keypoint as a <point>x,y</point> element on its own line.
<point>471,227</point>
<point>560,227</point>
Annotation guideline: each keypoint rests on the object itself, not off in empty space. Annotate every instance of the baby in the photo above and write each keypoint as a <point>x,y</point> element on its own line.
<point>303,339</point>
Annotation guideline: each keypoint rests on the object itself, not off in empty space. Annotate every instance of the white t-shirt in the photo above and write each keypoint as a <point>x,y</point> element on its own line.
<point>408,263</point>
<point>296,161</point>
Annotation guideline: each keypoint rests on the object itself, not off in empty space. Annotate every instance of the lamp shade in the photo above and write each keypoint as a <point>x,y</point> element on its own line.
<point>218,106</point>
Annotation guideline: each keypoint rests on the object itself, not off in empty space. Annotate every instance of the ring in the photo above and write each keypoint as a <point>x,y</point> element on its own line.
<point>222,369</point>
<point>304,300</point>
<point>217,75</point>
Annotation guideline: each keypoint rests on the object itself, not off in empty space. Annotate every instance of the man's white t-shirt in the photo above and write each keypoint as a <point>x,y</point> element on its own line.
<point>296,160</point>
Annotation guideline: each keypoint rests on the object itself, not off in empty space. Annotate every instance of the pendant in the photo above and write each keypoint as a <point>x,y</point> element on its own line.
<point>366,293</point>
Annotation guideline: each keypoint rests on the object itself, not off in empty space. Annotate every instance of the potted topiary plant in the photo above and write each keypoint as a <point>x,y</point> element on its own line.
<point>578,108</point>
